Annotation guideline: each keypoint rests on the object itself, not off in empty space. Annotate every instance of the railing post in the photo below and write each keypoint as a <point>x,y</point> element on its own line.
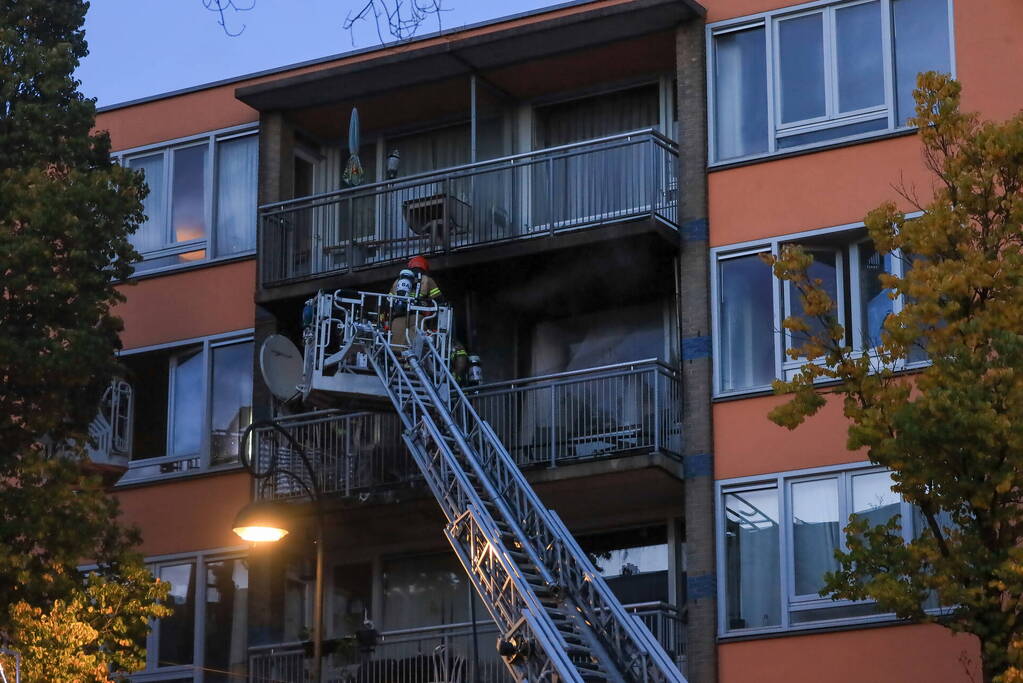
<point>657,411</point>
<point>554,426</point>
<point>446,226</point>
<point>349,233</point>
<point>550,194</point>
<point>654,175</point>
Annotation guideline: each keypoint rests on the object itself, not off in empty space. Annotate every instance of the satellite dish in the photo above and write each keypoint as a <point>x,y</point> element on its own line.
<point>281,364</point>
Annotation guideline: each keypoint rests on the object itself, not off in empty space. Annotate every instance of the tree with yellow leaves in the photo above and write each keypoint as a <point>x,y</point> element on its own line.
<point>951,433</point>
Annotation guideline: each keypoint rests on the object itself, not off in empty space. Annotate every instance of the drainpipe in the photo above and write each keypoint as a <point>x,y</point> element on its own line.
<point>694,324</point>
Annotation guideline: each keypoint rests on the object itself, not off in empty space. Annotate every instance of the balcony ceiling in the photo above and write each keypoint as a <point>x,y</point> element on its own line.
<point>529,39</point>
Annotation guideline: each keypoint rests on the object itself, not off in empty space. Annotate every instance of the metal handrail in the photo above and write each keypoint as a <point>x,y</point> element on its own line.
<point>596,371</point>
<point>455,171</point>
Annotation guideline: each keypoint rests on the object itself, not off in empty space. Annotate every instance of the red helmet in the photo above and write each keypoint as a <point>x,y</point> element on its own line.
<point>419,262</point>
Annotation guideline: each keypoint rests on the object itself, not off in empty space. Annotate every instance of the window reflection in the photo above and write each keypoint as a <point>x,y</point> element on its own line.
<point>752,558</point>
<point>232,400</point>
<point>177,632</point>
<point>227,587</point>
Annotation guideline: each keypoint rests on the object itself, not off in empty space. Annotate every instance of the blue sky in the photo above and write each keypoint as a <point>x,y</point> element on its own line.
<point>139,48</point>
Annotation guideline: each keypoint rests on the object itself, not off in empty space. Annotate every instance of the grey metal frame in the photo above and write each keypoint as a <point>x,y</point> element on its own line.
<point>781,482</point>
<point>769,20</point>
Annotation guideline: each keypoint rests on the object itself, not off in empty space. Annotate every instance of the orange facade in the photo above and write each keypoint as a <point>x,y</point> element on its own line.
<point>819,190</point>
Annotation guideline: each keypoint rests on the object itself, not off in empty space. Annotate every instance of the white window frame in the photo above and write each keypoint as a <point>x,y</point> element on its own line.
<point>782,482</point>
<point>850,319</point>
<point>199,561</point>
<point>192,463</point>
<point>776,130</point>
<point>208,243</point>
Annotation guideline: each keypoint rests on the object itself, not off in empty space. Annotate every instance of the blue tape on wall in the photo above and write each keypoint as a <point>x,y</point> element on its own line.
<point>695,230</point>
<point>701,586</point>
<point>694,348</point>
<point>698,465</point>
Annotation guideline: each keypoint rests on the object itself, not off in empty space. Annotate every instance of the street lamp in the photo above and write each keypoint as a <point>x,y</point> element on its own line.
<point>270,521</point>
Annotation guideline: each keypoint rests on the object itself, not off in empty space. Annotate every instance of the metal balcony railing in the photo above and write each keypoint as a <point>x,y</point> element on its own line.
<point>609,411</point>
<point>437,654</point>
<point>573,187</point>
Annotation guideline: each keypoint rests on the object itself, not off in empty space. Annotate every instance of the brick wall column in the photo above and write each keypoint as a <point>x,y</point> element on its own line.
<point>694,323</point>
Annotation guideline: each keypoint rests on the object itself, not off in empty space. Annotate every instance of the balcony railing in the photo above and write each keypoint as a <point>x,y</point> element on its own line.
<point>615,410</point>
<point>573,187</point>
<point>436,654</point>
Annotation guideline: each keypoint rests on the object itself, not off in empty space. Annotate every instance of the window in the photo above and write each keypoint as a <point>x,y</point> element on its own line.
<point>778,536</point>
<point>750,304</point>
<point>206,635</point>
<point>795,78</point>
<point>193,404</point>
<point>201,202</point>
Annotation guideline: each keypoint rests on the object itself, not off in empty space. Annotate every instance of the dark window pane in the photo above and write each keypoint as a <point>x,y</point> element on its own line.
<point>177,632</point>
<point>751,559</point>
<point>188,197</point>
<point>860,57</point>
<point>801,53</point>
<point>227,587</point>
<point>825,269</point>
<point>740,94</point>
<point>921,44</point>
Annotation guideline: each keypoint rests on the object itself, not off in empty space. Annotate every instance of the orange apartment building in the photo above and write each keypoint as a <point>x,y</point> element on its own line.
<point>605,172</point>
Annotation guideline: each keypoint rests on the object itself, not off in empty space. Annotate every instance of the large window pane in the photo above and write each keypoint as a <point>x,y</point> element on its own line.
<point>747,323</point>
<point>740,93</point>
<point>875,304</point>
<point>186,409</point>
<point>227,587</point>
<point>751,557</point>
<point>860,57</point>
<point>236,195</point>
<point>921,44</point>
<point>825,269</point>
<point>801,53</point>
<point>634,562</point>
<point>177,632</point>
<point>232,400</point>
<point>151,234</point>
<point>188,196</point>
<point>425,591</point>
<point>815,533</point>
<point>873,498</point>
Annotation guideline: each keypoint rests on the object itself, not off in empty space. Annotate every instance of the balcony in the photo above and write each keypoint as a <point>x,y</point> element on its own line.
<point>578,187</point>
<point>550,421</point>
<point>438,653</point>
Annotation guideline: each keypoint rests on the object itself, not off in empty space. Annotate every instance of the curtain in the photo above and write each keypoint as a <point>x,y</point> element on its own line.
<point>816,533</point>
<point>740,89</point>
<point>151,235</point>
<point>597,117</point>
<point>746,301</point>
<point>237,162</point>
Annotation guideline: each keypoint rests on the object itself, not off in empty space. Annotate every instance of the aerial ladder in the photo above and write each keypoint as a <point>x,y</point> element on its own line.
<point>559,620</point>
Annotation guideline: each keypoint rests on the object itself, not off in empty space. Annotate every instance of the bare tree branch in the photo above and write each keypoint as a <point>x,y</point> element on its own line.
<point>401,19</point>
<point>221,7</point>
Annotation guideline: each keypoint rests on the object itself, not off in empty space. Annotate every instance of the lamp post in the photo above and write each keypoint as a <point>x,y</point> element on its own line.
<point>268,521</point>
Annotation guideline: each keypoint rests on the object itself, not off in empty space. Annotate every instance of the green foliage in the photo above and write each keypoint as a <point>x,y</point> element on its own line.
<point>952,434</point>
<point>65,215</point>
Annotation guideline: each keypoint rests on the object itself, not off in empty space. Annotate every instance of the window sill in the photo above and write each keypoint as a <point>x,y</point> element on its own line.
<point>756,392</point>
<point>197,265</point>
<point>810,149</point>
<point>174,476</point>
<point>838,625</point>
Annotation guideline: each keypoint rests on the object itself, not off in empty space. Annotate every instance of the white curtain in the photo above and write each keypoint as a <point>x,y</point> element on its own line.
<point>740,86</point>
<point>236,195</point>
<point>151,234</point>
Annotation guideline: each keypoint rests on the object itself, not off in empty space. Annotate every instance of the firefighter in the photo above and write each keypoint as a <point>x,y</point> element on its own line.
<point>415,282</point>
<point>459,362</point>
